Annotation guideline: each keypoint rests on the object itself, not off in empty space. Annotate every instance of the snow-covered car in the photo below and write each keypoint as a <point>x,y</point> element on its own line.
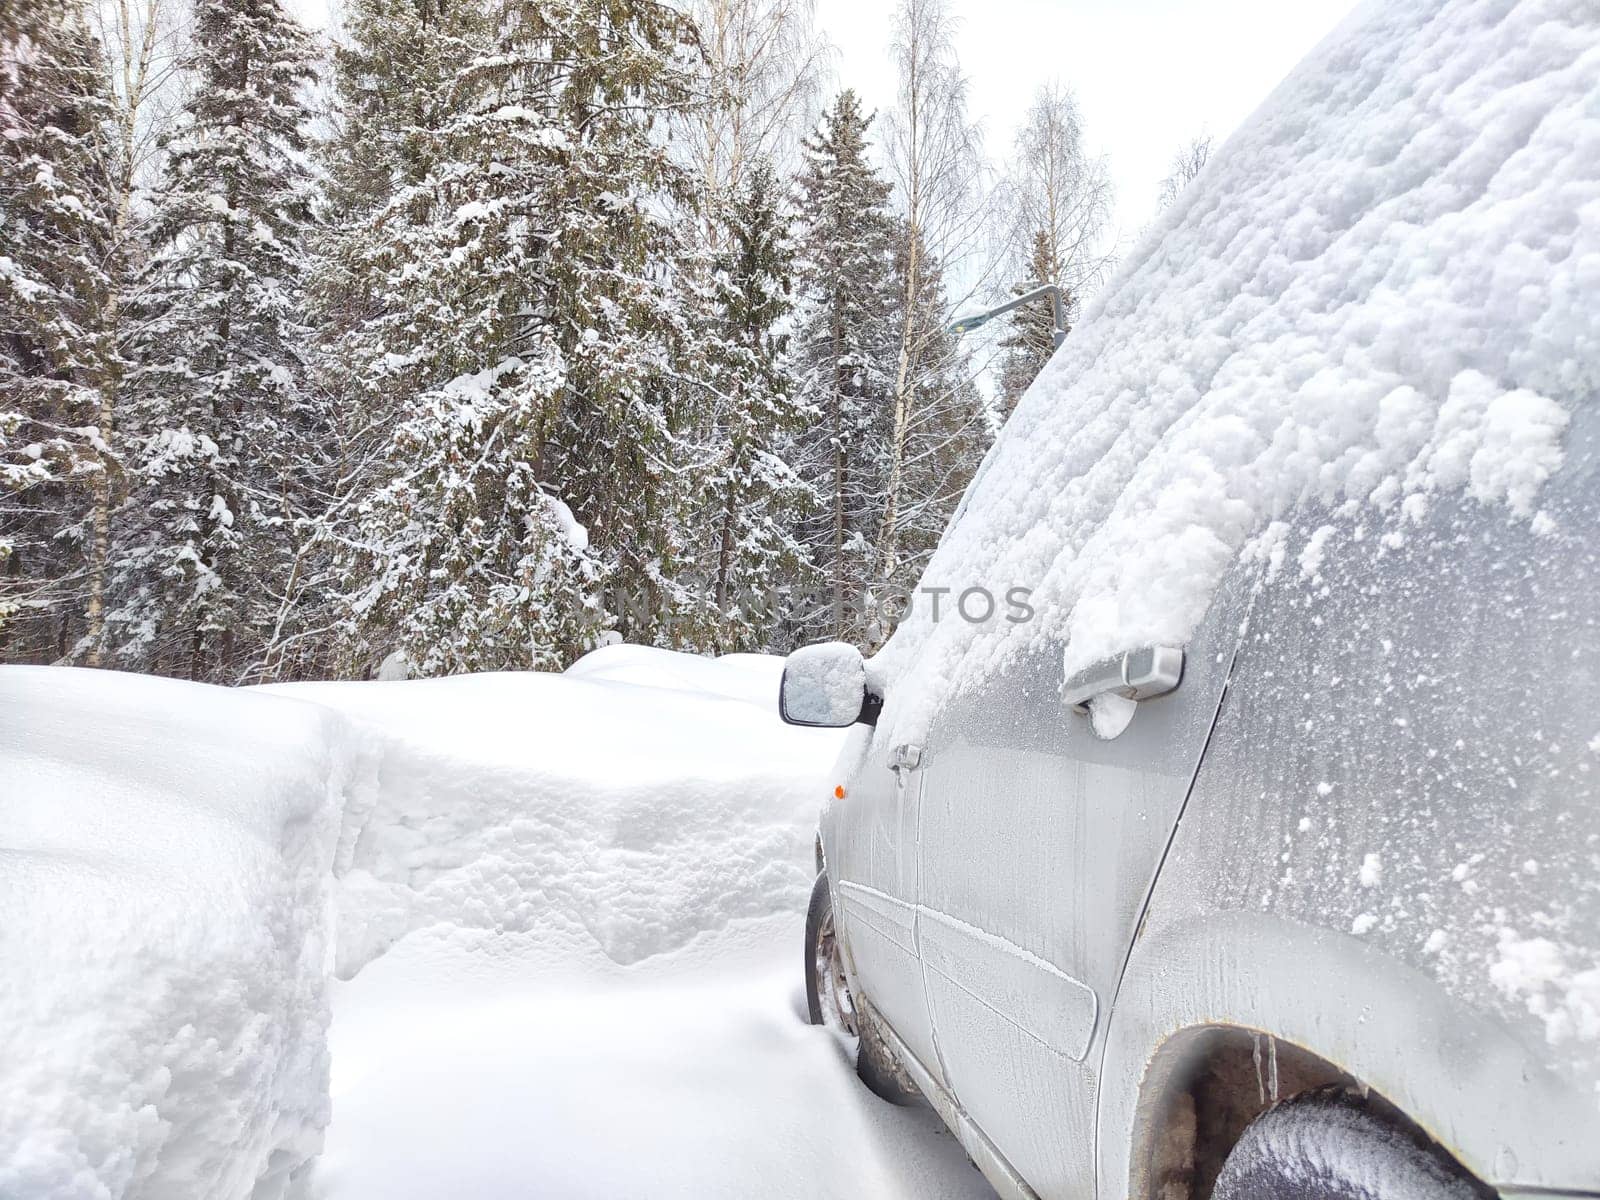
<point>1264,859</point>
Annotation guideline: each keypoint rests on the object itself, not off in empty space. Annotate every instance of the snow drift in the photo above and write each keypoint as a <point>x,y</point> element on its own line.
<point>621,808</point>
<point>165,855</point>
<point>585,895</point>
<point>1385,284</point>
<point>181,862</point>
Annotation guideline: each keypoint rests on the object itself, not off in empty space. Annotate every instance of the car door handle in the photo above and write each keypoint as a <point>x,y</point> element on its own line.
<point>1136,675</point>
<point>905,758</point>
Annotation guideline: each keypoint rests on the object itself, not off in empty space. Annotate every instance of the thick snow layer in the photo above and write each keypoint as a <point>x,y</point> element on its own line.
<point>630,804</point>
<point>165,855</point>
<point>576,912</point>
<point>493,850</point>
<point>1386,283</point>
<point>1541,974</point>
<point>824,684</point>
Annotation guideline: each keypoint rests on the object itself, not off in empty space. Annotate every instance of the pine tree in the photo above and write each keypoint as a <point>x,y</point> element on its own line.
<point>751,496</point>
<point>228,429</point>
<point>524,321</point>
<point>54,251</point>
<point>844,360</point>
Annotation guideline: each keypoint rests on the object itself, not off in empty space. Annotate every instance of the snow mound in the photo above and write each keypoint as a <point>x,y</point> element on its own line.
<point>617,811</point>
<point>1387,283</point>
<point>165,855</point>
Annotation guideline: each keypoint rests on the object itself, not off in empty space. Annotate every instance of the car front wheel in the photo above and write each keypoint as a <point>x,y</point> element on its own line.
<point>828,999</point>
<point>830,1003</point>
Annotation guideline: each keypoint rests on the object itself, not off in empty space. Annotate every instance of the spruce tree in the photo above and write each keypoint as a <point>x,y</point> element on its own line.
<point>394,72</point>
<point>844,356</point>
<point>523,322</point>
<point>229,432</point>
<point>394,75</point>
<point>55,236</point>
<point>751,496</point>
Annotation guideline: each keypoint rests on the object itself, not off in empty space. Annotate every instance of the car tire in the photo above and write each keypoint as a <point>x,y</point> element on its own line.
<point>1327,1145</point>
<point>830,1003</point>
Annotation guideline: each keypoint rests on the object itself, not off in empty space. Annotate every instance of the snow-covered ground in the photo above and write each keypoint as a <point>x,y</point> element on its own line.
<point>591,889</point>
<point>690,1074</point>
<point>565,910</point>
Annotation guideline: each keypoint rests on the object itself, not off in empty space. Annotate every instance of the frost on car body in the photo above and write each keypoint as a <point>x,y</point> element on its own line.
<point>1332,430</point>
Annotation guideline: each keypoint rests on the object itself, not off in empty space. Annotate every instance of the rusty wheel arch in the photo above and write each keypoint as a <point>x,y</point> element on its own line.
<point>1206,1084</point>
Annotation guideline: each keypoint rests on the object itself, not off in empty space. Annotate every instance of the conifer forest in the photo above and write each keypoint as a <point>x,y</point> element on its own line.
<point>472,334</point>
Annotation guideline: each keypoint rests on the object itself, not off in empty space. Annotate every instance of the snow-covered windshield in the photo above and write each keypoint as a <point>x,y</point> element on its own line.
<point>1385,285</point>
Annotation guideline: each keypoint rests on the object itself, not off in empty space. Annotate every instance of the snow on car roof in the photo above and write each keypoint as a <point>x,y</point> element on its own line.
<point>1386,283</point>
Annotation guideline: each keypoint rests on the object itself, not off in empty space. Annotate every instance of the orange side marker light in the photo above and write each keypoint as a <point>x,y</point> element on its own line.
<point>838,791</point>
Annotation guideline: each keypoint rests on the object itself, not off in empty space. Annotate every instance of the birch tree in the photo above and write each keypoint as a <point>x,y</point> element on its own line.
<point>1058,200</point>
<point>936,163</point>
<point>765,59</point>
<point>143,43</point>
<point>1187,162</point>
<point>947,432</point>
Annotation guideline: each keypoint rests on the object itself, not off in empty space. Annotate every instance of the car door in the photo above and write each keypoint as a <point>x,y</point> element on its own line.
<point>871,840</point>
<point>1039,842</point>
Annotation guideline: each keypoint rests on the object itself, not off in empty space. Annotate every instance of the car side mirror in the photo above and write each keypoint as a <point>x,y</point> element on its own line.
<point>825,686</point>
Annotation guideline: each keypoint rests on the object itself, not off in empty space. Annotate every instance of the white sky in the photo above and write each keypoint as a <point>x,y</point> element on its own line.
<point>1149,74</point>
